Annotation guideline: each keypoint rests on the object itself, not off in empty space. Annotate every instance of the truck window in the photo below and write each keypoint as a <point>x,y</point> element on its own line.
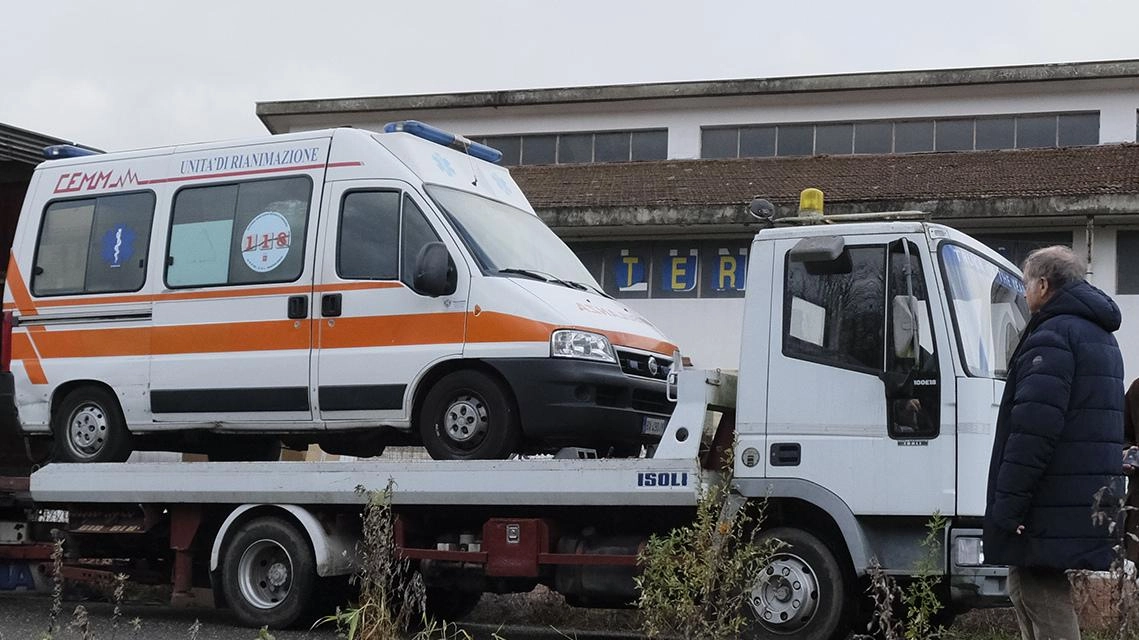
<point>989,310</point>
<point>379,240</point>
<point>232,234</point>
<point>837,318</point>
<point>113,237</point>
<point>914,412</point>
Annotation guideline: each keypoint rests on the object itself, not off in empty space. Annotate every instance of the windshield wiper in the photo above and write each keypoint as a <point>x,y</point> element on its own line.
<point>545,277</point>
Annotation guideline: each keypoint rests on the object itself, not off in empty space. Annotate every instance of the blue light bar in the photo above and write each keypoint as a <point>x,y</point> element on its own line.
<point>57,151</point>
<point>439,136</point>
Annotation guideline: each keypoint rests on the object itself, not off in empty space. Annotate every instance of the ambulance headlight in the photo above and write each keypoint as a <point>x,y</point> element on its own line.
<point>571,343</point>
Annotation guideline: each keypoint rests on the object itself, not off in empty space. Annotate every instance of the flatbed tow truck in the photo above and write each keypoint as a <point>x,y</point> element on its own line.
<point>869,382</point>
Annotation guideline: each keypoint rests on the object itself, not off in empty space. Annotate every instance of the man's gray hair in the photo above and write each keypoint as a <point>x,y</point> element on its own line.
<point>1057,264</point>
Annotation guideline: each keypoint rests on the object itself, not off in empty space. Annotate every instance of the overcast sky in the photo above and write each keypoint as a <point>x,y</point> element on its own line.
<point>119,75</point>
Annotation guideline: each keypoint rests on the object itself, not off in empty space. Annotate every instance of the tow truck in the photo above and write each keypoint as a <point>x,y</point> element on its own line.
<point>872,365</point>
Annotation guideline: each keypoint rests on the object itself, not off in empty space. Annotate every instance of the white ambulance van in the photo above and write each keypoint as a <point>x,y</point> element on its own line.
<point>344,287</point>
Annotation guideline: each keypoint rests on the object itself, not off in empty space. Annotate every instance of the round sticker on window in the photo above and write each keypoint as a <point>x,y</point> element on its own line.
<point>266,241</point>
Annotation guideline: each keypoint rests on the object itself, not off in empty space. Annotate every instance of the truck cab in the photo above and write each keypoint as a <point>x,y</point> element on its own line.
<point>873,362</point>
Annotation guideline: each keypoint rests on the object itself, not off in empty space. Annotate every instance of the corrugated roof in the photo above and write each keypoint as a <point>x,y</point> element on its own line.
<point>24,146</point>
<point>1075,171</point>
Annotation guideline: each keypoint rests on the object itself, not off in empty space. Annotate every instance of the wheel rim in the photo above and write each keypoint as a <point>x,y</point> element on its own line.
<point>466,420</point>
<point>785,596</point>
<point>265,574</point>
<point>87,430</point>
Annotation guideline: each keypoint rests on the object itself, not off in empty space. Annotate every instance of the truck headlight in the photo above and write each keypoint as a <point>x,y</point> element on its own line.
<point>968,552</point>
<point>571,343</point>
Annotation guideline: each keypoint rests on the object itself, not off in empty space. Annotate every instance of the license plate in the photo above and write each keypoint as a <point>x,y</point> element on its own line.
<point>653,426</point>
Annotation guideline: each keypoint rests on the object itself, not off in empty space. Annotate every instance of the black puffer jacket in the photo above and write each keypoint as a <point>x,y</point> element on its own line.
<point>1058,438</point>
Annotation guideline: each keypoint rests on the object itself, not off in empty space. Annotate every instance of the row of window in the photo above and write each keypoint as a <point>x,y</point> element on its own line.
<point>901,136</point>
<point>233,234</point>
<point>581,147</point>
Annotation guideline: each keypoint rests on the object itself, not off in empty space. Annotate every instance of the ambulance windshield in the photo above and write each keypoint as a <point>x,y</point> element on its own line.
<point>988,308</point>
<point>510,241</point>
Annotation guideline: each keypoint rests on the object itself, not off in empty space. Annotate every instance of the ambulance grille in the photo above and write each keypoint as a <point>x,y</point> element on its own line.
<point>637,364</point>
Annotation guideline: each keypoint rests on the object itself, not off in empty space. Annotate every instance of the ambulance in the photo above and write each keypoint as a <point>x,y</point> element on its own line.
<point>342,287</point>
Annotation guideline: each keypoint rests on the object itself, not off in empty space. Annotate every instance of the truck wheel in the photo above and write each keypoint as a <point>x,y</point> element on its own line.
<point>269,573</point>
<point>450,605</point>
<point>466,416</point>
<point>88,426</point>
<point>802,593</point>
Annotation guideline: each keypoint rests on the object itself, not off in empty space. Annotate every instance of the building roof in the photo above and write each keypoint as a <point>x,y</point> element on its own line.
<point>1032,173</point>
<point>25,147</point>
<point>267,111</point>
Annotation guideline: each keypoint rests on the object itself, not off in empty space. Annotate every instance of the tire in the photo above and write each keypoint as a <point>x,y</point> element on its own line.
<point>257,449</point>
<point>802,593</point>
<point>88,426</point>
<point>269,574</point>
<point>468,416</point>
<point>451,605</point>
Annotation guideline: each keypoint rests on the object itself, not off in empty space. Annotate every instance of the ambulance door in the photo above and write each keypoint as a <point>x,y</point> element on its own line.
<point>232,329</point>
<point>376,335</point>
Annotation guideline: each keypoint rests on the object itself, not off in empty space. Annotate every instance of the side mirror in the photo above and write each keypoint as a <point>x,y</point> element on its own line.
<point>904,316</point>
<point>435,273</point>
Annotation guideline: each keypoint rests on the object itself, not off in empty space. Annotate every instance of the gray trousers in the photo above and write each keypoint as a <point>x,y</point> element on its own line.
<point>1042,599</point>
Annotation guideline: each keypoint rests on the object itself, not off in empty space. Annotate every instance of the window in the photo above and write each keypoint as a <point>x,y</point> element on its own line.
<point>416,232</point>
<point>94,245</point>
<point>902,136</point>
<point>573,148</point>
<point>912,378</point>
<point>379,240</point>
<point>988,309</point>
<point>719,143</point>
<point>650,145</point>
<point>611,147</point>
<point>510,146</point>
<point>539,150</point>
<point>581,147</point>
<point>1127,262</point>
<point>795,140</point>
<point>757,142</point>
<point>368,243</point>
<point>835,315</point>
<point>246,233</point>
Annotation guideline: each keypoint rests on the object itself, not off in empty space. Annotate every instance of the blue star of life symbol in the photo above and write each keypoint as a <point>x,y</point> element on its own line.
<point>503,185</point>
<point>444,164</point>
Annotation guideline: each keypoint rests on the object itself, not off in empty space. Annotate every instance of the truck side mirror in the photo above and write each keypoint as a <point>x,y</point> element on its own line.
<point>435,273</point>
<point>822,255</point>
<point>904,317</point>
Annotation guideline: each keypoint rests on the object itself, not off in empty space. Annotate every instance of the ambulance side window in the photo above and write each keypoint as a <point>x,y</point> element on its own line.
<point>417,232</point>
<point>834,315</point>
<point>245,233</point>
<point>368,246</point>
<point>112,235</point>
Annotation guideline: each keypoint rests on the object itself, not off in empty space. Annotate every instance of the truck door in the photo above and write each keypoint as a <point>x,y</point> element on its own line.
<point>232,326</point>
<point>376,335</point>
<point>856,402</point>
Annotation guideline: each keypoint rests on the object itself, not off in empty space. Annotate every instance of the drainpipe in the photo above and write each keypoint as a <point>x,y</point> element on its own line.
<point>1091,243</point>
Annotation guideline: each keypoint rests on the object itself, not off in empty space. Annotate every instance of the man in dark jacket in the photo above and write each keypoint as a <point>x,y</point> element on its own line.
<point>1058,437</point>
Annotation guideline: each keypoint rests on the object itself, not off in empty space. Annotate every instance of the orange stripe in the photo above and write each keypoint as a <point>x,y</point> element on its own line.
<point>18,289</point>
<point>391,331</point>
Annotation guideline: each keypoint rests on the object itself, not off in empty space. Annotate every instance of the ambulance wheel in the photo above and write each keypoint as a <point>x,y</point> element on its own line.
<point>88,426</point>
<point>269,574</point>
<point>802,593</point>
<point>467,415</point>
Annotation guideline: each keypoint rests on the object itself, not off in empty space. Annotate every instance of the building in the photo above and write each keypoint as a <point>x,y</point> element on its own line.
<point>650,183</point>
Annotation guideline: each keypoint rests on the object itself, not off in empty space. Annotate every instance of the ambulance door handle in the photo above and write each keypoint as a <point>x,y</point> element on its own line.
<point>298,307</point>
<point>330,305</point>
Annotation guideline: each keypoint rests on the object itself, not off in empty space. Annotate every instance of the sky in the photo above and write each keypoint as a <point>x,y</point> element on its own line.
<point>121,74</point>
